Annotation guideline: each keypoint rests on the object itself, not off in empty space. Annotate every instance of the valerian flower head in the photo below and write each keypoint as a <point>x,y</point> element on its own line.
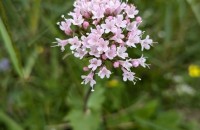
<point>102,31</point>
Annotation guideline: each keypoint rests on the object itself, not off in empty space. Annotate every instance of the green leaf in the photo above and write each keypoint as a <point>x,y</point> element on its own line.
<point>86,121</point>
<point>96,99</point>
<point>10,47</point>
<point>149,124</point>
<point>148,110</point>
<point>169,119</point>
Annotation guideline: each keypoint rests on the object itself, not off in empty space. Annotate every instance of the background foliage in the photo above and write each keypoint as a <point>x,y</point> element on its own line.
<point>41,91</point>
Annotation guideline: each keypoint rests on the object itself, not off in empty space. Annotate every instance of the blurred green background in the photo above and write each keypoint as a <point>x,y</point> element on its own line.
<point>41,90</point>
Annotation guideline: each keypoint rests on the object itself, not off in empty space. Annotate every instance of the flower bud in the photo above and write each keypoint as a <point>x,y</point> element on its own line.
<point>87,15</point>
<point>113,47</point>
<point>85,69</point>
<point>68,32</point>
<point>138,19</point>
<point>104,57</point>
<point>128,20</point>
<point>108,11</point>
<point>110,17</point>
<point>95,22</point>
<point>85,24</point>
<point>135,63</point>
<point>116,64</point>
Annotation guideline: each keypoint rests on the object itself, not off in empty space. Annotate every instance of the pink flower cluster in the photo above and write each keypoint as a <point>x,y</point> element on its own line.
<point>103,30</point>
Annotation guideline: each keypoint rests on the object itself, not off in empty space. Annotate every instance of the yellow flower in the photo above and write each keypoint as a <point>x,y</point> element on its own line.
<point>194,70</point>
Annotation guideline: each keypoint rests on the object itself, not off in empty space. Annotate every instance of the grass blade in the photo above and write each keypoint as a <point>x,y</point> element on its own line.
<point>31,61</point>
<point>10,48</point>
<point>195,5</point>
<point>35,17</point>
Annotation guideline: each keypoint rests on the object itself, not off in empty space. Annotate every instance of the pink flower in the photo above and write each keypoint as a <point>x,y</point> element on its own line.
<point>112,5</point>
<point>142,61</point>
<point>111,53</point>
<point>126,64</point>
<point>102,31</point>
<point>135,63</point>
<point>146,43</point>
<point>134,38</point>
<point>109,26</point>
<point>75,43</point>
<point>89,79</point>
<point>61,43</point>
<point>77,19</point>
<point>131,11</point>
<point>121,52</point>
<point>104,72</point>
<point>94,52</point>
<point>80,53</point>
<point>98,12</point>
<point>65,26</point>
<point>93,39</point>
<point>120,22</point>
<point>132,26</point>
<point>127,75</point>
<point>94,63</point>
<point>132,41</point>
<point>102,45</point>
<point>98,31</point>
<point>85,42</point>
<point>118,36</point>
<point>120,8</point>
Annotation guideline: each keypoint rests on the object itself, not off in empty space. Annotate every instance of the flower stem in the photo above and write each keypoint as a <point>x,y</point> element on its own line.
<point>89,91</point>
